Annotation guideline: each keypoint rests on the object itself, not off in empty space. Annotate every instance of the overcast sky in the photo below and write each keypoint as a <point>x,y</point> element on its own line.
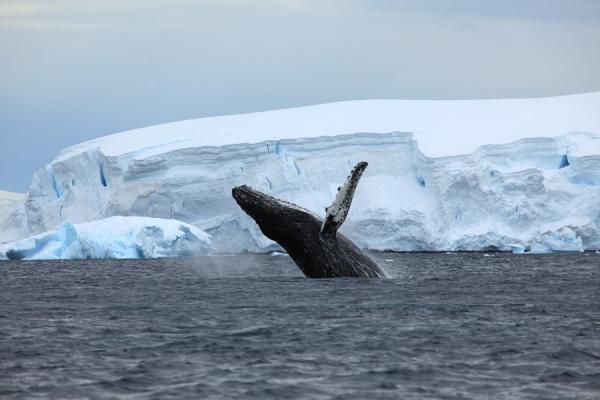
<point>75,70</point>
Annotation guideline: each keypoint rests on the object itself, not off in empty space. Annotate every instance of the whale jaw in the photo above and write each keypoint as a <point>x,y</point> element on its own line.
<point>277,219</point>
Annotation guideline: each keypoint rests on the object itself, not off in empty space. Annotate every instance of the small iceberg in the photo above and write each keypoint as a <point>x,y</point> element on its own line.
<point>114,237</point>
<point>516,248</point>
<point>564,240</point>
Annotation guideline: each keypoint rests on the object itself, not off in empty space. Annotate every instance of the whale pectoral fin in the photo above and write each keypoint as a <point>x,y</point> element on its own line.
<point>336,213</point>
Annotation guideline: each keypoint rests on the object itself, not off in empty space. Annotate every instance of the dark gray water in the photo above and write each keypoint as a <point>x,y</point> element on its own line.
<point>445,326</point>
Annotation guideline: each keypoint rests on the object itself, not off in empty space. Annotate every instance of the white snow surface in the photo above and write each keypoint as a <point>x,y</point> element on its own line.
<point>543,176</point>
<point>114,237</point>
<point>441,127</point>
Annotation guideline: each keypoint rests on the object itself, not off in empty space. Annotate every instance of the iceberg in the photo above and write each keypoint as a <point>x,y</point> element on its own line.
<point>8,201</point>
<point>10,221</point>
<point>564,240</point>
<point>442,176</point>
<point>114,237</point>
<point>517,248</point>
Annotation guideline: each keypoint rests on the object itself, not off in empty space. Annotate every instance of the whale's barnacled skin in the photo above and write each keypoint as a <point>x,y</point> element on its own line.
<point>312,242</point>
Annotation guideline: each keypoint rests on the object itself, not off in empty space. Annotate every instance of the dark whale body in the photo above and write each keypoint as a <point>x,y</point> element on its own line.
<point>311,241</point>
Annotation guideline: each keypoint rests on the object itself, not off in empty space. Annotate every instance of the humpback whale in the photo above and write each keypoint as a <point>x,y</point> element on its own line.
<point>314,243</point>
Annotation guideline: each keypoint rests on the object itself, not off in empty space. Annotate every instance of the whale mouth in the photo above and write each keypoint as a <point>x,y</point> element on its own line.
<point>242,193</point>
<point>247,198</point>
<point>251,201</point>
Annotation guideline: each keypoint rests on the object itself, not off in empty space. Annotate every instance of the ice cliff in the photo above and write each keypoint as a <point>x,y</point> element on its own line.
<point>456,194</point>
<point>114,237</point>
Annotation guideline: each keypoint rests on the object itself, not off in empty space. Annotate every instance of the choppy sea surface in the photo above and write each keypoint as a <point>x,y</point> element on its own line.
<point>453,326</point>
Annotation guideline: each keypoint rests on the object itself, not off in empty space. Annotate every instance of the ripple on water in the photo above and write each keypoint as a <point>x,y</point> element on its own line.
<point>444,326</point>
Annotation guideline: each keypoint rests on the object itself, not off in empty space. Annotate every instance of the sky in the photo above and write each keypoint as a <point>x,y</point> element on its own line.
<point>74,70</point>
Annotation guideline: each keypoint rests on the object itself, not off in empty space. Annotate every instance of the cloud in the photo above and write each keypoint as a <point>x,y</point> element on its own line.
<point>529,10</point>
<point>17,9</point>
<point>36,15</point>
<point>73,70</point>
<point>88,14</point>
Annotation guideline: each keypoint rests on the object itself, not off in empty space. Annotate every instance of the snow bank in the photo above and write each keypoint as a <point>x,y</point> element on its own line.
<point>491,198</point>
<point>115,237</point>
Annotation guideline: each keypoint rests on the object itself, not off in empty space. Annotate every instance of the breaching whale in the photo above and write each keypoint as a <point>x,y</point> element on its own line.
<point>313,242</point>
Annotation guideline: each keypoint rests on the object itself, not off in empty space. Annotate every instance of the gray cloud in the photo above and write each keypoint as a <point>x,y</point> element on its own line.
<point>530,10</point>
<point>80,69</point>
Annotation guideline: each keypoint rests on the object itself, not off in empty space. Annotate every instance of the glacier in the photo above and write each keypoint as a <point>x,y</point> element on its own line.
<point>114,237</point>
<point>9,201</point>
<point>434,182</point>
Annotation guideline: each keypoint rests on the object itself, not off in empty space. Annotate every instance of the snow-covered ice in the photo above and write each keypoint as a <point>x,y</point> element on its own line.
<point>114,237</point>
<point>436,188</point>
<point>517,248</point>
<point>8,202</point>
<point>441,127</point>
<point>564,240</point>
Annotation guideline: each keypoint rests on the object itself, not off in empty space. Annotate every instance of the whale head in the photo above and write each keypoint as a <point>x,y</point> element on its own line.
<point>279,220</point>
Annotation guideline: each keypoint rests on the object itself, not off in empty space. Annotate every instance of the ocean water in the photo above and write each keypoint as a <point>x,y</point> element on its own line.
<point>453,326</point>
